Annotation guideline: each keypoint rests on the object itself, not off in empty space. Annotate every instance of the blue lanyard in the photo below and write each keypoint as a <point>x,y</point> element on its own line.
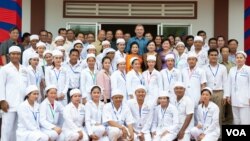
<point>93,76</point>
<point>57,75</point>
<point>123,76</point>
<point>204,116</point>
<point>163,113</point>
<point>117,111</point>
<point>139,77</point>
<point>34,115</point>
<point>36,76</point>
<point>214,74</point>
<point>73,70</point>
<point>169,79</point>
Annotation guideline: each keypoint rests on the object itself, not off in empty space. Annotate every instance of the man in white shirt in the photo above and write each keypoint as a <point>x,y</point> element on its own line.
<point>185,108</point>
<point>13,82</point>
<point>216,75</point>
<point>30,51</point>
<point>142,112</point>
<point>119,118</point>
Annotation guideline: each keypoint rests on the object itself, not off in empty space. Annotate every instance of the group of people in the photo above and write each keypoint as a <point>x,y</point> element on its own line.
<point>78,89</point>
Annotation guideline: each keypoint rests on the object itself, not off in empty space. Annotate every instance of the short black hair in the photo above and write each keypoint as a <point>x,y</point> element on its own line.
<point>220,36</point>
<point>43,30</point>
<point>105,58</point>
<point>50,34</point>
<point>189,36</point>
<point>201,31</point>
<point>212,50</point>
<point>232,40</point>
<point>210,39</point>
<point>70,30</point>
<point>79,33</point>
<point>223,48</point>
<point>61,29</point>
<point>133,43</point>
<point>73,50</point>
<point>25,35</point>
<point>170,35</point>
<point>166,40</point>
<point>95,87</point>
<point>14,28</point>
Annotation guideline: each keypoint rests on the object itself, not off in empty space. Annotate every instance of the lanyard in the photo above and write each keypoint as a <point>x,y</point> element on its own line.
<point>169,79</point>
<point>116,112</point>
<point>73,70</point>
<point>52,111</point>
<point>57,75</point>
<point>214,74</point>
<point>149,77</point>
<point>139,77</point>
<point>93,76</point>
<point>34,115</point>
<point>204,116</point>
<point>163,111</point>
<point>190,73</point>
<point>123,76</point>
<point>36,76</point>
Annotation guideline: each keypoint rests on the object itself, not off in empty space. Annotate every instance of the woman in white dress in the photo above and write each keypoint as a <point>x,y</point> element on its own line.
<point>94,111</point>
<point>50,111</point>
<point>28,128</point>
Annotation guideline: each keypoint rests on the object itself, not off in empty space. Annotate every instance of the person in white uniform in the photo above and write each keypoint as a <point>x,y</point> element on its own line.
<point>40,48</point>
<point>74,119</point>
<point>88,78</point>
<point>35,76</point>
<point>110,52</point>
<point>33,40</point>
<point>13,81</point>
<point>48,57</point>
<point>91,50</point>
<point>50,111</point>
<point>153,81</point>
<point>134,77</point>
<point>142,112</point>
<point>208,127</point>
<point>105,45</point>
<point>185,107</point>
<point>181,56</point>
<point>58,75</point>
<point>118,78</point>
<point>120,43</point>
<point>28,118</point>
<point>194,79</point>
<point>94,111</point>
<point>170,75</point>
<point>119,118</point>
<point>237,93</point>
<point>166,120</point>
<point>201,53</point>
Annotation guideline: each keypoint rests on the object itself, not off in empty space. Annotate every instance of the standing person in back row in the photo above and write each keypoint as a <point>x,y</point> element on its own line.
<point>139,38</point>
<point>13,82</point>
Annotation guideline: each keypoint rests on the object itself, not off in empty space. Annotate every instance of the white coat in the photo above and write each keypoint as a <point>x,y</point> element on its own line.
<point>94,123</point>
<point>165,120</point>
<point>26,54</point>
<point>169,78</point>
<point>118,81</point>
<point>84,65</point>
<point>153,84</point>
<point>59,78</point>
<point>132,80</point>
<point>28,123</point>
<point>202,58</point>
<point>143,117</point>
<point>49,117</point>
<point>208,117</point>
<point>181,61</point>
<point>87,80</point>
<point>74,119</point>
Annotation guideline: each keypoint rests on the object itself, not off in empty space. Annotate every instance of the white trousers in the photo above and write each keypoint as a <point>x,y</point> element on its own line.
<point>241,115</point>
<point>167,137</point>
<point>37,136</point>
<point>114,133</point>
<point>9,126</point>
<point>51,133</point>
<point>99,131</point>
<point>195,132</point>
<point>73,136</point>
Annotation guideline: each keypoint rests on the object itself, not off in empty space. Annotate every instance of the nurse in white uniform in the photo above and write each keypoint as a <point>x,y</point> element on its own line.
<point>13,81</point>
<point>88,78</point>
<point>208,127</point>
<point>74,119</point>
<point>50,111</point>
<point>57,75</point>
<point>181,56</point>
<point>152,80</point>
<point>35,75</point>
<point>94,111</point>
<point>170,75</point>
<point>134,77</point>
<point>119,118</point>
<point>32,49</point>
<point>120,43</point>
<point>142,112</point>
<point>28,118</point>
<point>118,78</point>
<point>237,93</point>
<point>91,50</point>
<point>166,120</point>
<point>185,107</point>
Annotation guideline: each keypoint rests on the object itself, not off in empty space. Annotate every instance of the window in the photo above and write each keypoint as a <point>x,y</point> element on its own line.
<point>83,27</point>
<point>175,29</point>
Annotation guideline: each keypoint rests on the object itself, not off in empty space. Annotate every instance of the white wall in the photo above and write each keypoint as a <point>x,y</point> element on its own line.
<point>236,21</point>
<point>26,15</point>
<point>54,17</point>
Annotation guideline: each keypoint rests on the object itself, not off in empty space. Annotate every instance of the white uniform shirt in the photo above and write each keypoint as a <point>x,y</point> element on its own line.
<point>13,83</point>
<point>34,76</point>
<point>185,107</point>
<point>49,116</point>
<point>202,58</point>
<point>119,55</point>
<point>205,47</point>
<point>153,84</point>
<point>181,61</point>
<point>93,115</point>
<point>26,54</point>
<point>84,64</point>
<point>208,117</point>
<point>118,81</point>
<point>169,77</point>
<point>123,115</point>
<point>133,79</point>
<point>165,120</point>
<point>73,118</point>
<point>74,73</point>
<point>193,80</point>
<point>87,80</point>
<point>143,117</point>
<point>238,85</point>
<point>216,76</point>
